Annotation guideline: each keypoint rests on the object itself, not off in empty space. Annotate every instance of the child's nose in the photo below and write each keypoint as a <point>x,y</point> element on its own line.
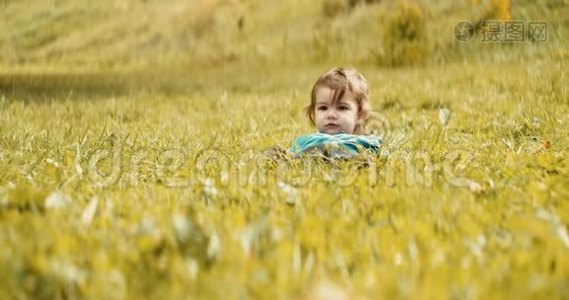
<point>332,114</point>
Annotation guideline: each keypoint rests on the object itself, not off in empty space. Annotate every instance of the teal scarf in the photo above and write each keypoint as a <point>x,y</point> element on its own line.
<point>340,145</point>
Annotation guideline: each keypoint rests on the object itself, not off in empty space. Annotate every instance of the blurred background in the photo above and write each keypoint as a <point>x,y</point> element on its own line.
<point>178,45</point>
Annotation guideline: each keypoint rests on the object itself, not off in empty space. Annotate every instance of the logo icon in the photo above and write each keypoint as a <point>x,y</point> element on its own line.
<point>464,31</point>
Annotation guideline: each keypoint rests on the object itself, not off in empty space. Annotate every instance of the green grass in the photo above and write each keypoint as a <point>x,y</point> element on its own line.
<point>122,181</point>
<point>475,208</point>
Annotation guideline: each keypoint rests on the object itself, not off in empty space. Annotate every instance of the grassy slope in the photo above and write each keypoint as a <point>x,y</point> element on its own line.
<point>55,36</point>
<point>486,217</point>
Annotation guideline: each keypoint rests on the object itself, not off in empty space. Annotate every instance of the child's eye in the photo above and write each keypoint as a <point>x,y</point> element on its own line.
<point>342,107</point>
<point>322,108</point>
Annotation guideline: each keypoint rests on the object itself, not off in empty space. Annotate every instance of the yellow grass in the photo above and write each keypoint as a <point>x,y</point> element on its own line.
<point>133,172</point>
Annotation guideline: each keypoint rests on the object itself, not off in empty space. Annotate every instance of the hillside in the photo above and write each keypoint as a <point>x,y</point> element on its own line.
<point>69,35</point>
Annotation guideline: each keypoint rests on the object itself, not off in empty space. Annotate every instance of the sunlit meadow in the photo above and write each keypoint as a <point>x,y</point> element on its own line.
<point>133,162</point>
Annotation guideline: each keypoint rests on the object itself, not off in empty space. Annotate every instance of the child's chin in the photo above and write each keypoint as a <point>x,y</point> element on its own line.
<point>331,131</point>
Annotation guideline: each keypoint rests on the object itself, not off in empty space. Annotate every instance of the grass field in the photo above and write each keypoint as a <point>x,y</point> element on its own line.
<point>133,171</point>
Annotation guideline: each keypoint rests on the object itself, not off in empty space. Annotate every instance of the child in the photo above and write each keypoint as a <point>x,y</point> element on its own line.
<point>339,109</point>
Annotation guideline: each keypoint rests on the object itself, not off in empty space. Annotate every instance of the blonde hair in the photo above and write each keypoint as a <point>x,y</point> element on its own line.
<point>339,80</point>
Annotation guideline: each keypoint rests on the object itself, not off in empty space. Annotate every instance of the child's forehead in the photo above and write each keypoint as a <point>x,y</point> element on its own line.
<point>327,94</point>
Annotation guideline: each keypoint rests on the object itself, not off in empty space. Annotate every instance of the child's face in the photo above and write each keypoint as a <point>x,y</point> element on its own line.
<point>341,117</point>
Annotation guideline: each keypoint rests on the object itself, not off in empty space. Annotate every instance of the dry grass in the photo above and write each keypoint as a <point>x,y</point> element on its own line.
<point>154,185</point>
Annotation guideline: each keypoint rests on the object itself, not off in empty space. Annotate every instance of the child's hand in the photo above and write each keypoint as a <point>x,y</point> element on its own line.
<point>276,153</point>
